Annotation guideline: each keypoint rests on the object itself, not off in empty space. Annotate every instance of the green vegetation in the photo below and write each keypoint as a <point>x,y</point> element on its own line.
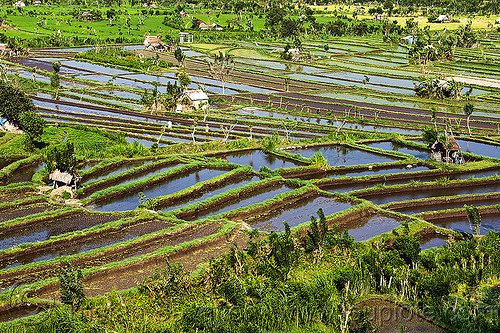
<point>18,108</point>
<point>281,77</point>
<point>125,59</point>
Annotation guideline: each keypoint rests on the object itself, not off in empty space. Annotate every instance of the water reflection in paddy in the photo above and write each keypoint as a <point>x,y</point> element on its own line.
<point>257,159</point>
<point>488,222</point>
<point>432,242</point>
<point>110,238</point>
<point>302,213</point>
<point>130,201</point>
<point>322,121</point>
<point>392,146</point>
<point>114,171</point>
<point>479,148</point>
<point>341,155</point>
<point>441,192</point>
<point>448,205</point>
<point>244,202</point>
<point>369,227</point>
<point>210,194</point>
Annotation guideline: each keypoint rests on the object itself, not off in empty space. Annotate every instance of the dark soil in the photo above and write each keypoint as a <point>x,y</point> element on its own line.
<point>25,210</point>
<point>125,277</point>
<point>389,317</point>
<point>9,197</point>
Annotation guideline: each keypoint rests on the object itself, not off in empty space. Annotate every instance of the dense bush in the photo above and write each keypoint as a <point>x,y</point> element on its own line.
<point>17,107</point>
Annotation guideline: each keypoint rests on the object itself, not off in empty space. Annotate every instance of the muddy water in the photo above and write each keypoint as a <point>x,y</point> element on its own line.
<point>391,146</point>
<point>450,205</point>
<point>480,148</point>
<point>420,194</point>
<point>24,174</point>
<point>488,222</point>
<point>368,172</point>
<point>57,226</point>
<point>257,159</point>
<point>20,312</point>
<point>301,213</point>
<point>369,227</point>
<point>324,121</point>
<point>130,201</point>
<point>210,194</point>
<point>43,65</point>
<point>254,199</point>
<point>123,168</point>
<point>151,173</point>
<point>4,161</point>
<point>340,155</point>
<point>434,241</point>
<point>107,239</point>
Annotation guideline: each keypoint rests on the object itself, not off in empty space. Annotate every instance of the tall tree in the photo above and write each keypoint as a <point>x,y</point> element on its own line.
<point>468,110</point>
<point>179,56</point>
<point>221,68</point>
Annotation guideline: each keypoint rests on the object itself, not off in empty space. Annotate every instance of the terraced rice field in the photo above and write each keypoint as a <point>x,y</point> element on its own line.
<point>377,174</point>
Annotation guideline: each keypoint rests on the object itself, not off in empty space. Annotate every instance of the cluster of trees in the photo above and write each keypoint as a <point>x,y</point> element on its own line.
<point>434,87</point>
<point>61,157</point>
<point>439,45</point>
<point>277,22</point>
<point>118,56</point>
<point>19,109</point>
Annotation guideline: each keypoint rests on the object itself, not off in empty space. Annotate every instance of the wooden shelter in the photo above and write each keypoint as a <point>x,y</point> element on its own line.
<point>445,151</point>
<point>185,37</point>
<point>154,43</point>
<point>65,179</point>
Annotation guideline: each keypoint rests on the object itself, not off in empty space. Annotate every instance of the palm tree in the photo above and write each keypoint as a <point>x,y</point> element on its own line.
<point>434,117</point>
<point>468,109</point>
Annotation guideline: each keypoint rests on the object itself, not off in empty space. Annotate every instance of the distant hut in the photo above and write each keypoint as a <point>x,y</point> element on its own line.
<point>409,39</point>
<point>447,152</point>
<point>442,19</point>
<point>438,151</point>
<point>197,99</point>
<point>185,37</point>
<point>154,43</point>
<point>214,26</point>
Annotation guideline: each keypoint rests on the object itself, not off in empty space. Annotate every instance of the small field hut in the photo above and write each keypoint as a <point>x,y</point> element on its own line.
<point>65,179</point>
<point>154,43</point>
<point>198,99</point>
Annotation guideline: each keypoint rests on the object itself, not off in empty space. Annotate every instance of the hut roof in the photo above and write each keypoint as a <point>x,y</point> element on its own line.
<point>153,40</point>
<point>454,145</point>
<point>62,177</point>
<point>196,95</point>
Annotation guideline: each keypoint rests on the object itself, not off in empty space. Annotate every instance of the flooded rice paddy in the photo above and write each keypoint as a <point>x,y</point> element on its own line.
<point>300,213</point>
<point>258,159</point>
<point>130,201</point>
<point>345,156</point>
